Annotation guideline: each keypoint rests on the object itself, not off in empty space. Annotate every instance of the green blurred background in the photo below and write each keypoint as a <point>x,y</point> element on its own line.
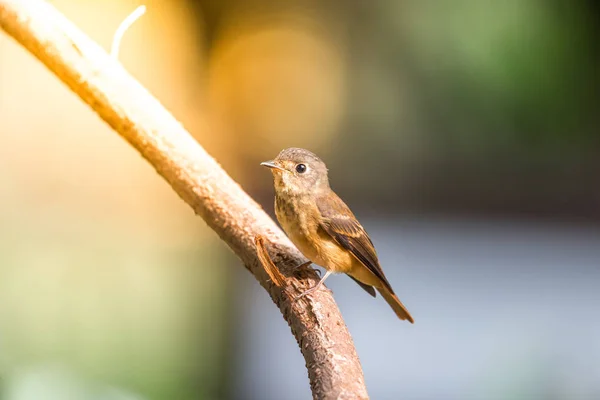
<point>464,134</point>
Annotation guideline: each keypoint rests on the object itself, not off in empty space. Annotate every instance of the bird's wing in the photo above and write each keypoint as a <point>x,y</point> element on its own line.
<point>339,223</point>
<point>367,288</point>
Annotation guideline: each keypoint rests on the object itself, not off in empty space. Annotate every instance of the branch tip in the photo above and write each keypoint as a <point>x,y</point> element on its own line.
<point>126,24</point>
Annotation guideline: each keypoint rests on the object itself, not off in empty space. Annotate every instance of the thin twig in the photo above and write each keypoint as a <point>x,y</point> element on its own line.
<point>127,22</point>
<point>263,255</point>
<point>333,367</point>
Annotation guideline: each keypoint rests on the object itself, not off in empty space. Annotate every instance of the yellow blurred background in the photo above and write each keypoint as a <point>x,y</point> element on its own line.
<point>452,128</point>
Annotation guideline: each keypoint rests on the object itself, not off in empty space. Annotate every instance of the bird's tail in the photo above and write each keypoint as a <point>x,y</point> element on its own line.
<point>396,305</point>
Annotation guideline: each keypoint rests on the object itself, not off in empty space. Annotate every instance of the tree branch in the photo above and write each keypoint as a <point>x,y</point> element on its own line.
<point>333,366</point>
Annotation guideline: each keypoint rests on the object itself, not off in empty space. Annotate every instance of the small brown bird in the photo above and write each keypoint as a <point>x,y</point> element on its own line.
<point>322,226</point>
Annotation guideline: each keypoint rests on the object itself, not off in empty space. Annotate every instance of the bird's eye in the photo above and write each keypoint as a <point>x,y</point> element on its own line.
<point>300,168</point>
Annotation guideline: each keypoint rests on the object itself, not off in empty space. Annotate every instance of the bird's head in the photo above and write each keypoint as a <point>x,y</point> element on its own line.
<point>298,171</point>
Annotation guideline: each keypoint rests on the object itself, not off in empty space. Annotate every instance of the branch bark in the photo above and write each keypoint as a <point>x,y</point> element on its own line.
<point>333,366</point>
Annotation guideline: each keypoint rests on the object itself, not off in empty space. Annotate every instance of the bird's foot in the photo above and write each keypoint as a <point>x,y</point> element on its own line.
<point>309,291</point>
<point>302,268</point>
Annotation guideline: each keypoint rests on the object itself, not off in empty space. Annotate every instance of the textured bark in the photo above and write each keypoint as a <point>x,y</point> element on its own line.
<point>333,366</point>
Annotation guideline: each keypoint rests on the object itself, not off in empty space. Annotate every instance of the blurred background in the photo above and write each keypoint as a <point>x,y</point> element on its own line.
<point>464,134</point>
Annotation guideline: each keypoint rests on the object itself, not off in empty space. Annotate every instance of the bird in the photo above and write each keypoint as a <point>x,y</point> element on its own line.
<point>323,227</point>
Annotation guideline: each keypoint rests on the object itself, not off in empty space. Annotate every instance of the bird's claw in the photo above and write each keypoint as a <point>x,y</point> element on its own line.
<point>303,265</point>
<point>309,291</point>
<point>301,268</point>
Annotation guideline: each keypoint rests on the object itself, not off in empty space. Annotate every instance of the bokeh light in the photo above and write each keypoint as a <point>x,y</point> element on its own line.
<point>463,134</point>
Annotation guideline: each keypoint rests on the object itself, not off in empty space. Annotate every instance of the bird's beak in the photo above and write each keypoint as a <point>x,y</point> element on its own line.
<point>272,164</point>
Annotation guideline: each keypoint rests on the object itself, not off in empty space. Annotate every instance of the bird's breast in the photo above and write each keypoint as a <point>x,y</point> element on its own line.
<point>296,219</point>
<point>300,221</point>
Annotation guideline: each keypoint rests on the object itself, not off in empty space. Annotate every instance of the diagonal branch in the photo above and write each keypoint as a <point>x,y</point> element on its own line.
<point>333,366</point>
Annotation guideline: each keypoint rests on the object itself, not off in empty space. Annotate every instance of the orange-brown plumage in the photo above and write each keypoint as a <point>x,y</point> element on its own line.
<point>322,226</point>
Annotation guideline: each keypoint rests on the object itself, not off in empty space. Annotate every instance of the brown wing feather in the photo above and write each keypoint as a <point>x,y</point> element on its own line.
<point>367,288</point>
<point>339,222</point>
